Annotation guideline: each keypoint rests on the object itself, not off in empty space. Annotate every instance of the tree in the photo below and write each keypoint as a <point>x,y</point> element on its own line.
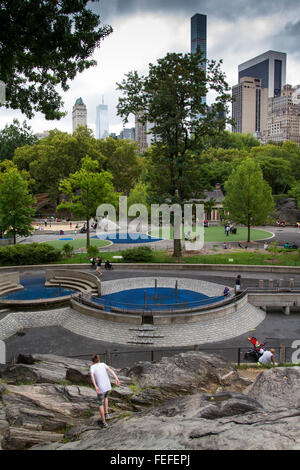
<point>16,204</point>
<point>277,172</point>
<point>248,196</point>
<point>85,190</point>
<point>14,136</point>
<point>45,43</point>
<point>125,165</point>
<point>56,157</point>
<point>171,97</point>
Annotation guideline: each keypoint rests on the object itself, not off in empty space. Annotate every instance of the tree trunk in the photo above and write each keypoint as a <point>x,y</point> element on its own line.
<point>177,252</point>
<point>248,233</point>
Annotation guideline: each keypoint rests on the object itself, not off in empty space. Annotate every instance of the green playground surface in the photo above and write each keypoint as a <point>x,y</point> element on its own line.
<point>77,243</point>
<point>215,234</point>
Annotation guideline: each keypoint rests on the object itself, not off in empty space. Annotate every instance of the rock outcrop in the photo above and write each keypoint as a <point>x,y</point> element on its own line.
<point>189,401</point>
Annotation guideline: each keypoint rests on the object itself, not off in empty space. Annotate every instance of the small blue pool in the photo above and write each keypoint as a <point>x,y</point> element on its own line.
<point>35,289</point>
<point>146,299</point>
<point>125,237</point>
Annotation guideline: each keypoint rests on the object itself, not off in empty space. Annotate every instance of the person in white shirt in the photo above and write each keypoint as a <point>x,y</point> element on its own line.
<point>100,379</point>
<point>267,357</point>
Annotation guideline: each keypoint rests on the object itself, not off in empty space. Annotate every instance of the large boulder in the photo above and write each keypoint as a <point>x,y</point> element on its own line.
<point>191,401</point>
<point>185,373</point>
<point>230,421</point>
<point>43,408</point>
<point>287,209</point>
<point>277,388</point>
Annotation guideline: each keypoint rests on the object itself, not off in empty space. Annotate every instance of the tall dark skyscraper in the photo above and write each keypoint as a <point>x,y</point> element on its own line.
<point>199,36</point>
<point>199,33</point>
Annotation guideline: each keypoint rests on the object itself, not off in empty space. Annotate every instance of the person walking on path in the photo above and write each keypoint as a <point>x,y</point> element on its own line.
<point>99,262</point>
<point>237,284</point>
<point>100,379</point>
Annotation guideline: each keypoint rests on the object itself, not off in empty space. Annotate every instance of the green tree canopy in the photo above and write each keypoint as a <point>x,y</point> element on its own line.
<point>248,197</point>
<point>13,136</point>
<point>16,204</point>
<point>44,44</point>
<point>171,98</point>
<point>85,190</point>
<point>55,157</point>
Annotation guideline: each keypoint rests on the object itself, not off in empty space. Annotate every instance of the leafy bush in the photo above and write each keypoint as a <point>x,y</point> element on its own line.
<point>93,251</point>
<point>68,249</point>
<point>33,253</point>
<point>136,255</point>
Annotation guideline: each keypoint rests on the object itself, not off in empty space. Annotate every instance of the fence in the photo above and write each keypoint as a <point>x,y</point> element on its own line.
<point>120,359</point>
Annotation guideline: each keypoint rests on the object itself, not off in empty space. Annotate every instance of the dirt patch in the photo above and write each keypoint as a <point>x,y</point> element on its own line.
<point>249,374</point>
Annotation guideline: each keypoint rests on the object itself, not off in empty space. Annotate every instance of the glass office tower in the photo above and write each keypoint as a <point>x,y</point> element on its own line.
<point>199,36</point>
<point>102,121</point>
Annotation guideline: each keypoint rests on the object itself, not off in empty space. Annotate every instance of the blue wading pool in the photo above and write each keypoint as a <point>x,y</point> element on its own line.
<point>125,237</point>
<point>144,298</point>
<point>35,289</point>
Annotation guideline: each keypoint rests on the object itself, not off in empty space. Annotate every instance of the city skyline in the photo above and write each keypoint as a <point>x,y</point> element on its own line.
<point>144,32</point>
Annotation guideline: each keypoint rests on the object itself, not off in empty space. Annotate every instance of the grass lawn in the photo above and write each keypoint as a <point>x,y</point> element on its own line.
<point>216,234</point>
<point>77,243</point>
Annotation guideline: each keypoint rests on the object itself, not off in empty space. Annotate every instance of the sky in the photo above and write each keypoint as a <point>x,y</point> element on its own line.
<point>145,30</point>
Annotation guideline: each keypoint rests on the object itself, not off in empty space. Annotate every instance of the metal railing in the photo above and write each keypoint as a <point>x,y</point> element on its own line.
<point>235,355</point>
<point>185,307</point>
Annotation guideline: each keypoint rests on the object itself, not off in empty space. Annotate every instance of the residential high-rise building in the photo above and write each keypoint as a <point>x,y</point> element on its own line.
<point>284,116</point>
<point>199,37</point>
<point>199,34</point>
<point>102,125</point>
<point>141,134</point>
<point>79,114</point>
<point>249,108</point>
<point>270,67</point>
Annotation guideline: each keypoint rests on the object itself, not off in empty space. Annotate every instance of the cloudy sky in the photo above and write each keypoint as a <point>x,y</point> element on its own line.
<point>145,30</point>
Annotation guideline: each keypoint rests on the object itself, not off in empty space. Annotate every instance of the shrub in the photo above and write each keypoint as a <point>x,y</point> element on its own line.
<point>68,249</point>
<point>33,253</point>
<point>136,255</point>
<point>93,251</point>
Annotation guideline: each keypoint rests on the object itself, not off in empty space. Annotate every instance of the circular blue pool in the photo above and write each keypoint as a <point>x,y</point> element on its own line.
<point>163,298</point>
<point>125,237</point>
<point>35,289</point>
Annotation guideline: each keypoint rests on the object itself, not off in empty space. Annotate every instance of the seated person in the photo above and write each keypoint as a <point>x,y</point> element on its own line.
<point>107,265</point>
<point>93,261</point>
<point>226,291</point>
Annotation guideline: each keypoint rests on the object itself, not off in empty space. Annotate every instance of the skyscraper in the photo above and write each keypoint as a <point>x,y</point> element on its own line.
<point>284,116</point>
<point>102,125</point>
<point>79,114</point>
<point>260,78</point>
<point>199,37</point>
<point>199,33</point>
<point>249,108</point>
<point>270,67</point>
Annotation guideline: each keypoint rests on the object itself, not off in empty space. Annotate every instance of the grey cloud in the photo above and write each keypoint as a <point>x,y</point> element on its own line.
<point>225,9</point>
<point>288,39</point>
